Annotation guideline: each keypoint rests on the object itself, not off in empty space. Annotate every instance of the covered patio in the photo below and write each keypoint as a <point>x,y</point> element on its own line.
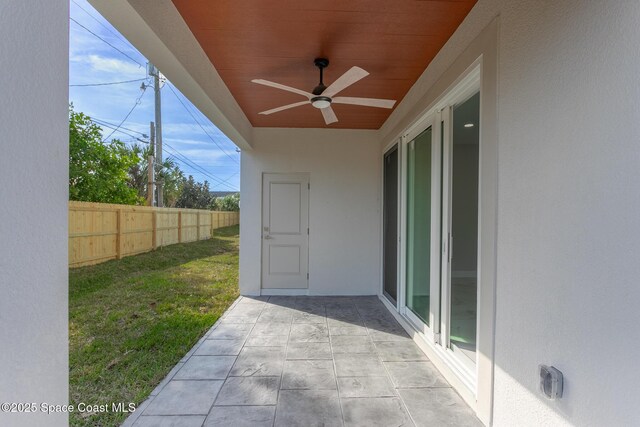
<point>305,361</point>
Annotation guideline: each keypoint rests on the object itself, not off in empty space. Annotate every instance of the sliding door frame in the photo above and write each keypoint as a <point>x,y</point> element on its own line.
<point>439,118</point>
<point>387,149</point>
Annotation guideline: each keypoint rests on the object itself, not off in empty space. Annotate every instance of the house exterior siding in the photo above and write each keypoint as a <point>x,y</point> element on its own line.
<point>34,55</point>
<point>344,209</point>
<point>567,230</point>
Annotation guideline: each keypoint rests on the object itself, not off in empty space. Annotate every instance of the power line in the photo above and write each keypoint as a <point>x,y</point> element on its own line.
<point>106,123</point>
<point>91,32</point>
<point>108,84</point>
<point>104,26</point>
<point>185,160</point>
<point>201,127</point>
<point>128,114</point>
<point>181,157</point>
<point>187,166</point>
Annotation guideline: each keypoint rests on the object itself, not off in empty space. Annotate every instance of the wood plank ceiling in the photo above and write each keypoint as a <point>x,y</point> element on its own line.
<point>277,40</point>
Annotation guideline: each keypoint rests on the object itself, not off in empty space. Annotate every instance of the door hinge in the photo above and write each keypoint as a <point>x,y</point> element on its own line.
<point>308,186</point>
<point>307,231</point>
<point>307,276</point>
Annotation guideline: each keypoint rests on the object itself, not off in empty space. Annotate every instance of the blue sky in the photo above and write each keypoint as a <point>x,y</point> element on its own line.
<point>93,61</point>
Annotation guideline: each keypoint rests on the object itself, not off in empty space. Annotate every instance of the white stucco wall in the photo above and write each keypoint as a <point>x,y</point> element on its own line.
<point>344,206</point>
<point>568,228</point>
<point>34,65</point>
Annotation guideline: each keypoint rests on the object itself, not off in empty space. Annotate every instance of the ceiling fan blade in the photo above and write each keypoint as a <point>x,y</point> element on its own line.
<point>345,80</point>
<point>367,102</point>
<point>329,115</point>
<point>284,107</point>
<point>282,87</point>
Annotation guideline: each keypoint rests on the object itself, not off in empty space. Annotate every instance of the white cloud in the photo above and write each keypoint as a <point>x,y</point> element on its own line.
<point>124,69</point>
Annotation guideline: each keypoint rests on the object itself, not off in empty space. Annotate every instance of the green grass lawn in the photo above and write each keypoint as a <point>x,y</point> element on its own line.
<point>132,320</point>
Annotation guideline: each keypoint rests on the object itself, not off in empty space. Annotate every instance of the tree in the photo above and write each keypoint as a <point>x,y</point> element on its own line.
<point>194,195</point>
<point>230,202</point>
<point>170,174</point>
<point>98,171</point>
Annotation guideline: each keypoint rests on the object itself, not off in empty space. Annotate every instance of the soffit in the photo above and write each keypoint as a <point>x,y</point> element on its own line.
<point>277,40</point>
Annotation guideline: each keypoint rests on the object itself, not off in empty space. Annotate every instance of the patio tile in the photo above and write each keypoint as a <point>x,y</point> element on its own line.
<point>352,344</point>
<point>267,341</point>
<point>249,391</point>
<point>346,315</point>
<point>365,387</point>
<point>166,379</point>
<point>348,330</point>
<point>206,368</point>
<point>238,319</point>
<point>402,351</point>
<point>252,310</point>
<point>185,398</point>
<point>309,318</point>
<point>308,375</point>
<point>219,348</point>
<point>358,365</point>
<point>170,421</point>
<point>270,328</point>
<point>254,299</point>
<point>306,332</point>
<point>415,374</point>
<point>308,350</point>
<point>341,322</point>
<point>438,407</point>
<point>230,331</point>
<point>395,335</point>
<point>193,349</point>
<point>308,408</point>
<point>241,416</point>
<point>378,411</point>
<point>276,314</point>
<point>259,361</point>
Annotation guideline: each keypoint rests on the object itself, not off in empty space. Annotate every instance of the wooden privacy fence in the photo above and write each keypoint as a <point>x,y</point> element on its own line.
<point>99,232</point>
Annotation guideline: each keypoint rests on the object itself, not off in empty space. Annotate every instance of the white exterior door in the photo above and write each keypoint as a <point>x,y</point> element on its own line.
<point>285,231</point>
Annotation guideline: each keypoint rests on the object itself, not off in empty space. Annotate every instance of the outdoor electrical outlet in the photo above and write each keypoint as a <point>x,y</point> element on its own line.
<point>550,382</point>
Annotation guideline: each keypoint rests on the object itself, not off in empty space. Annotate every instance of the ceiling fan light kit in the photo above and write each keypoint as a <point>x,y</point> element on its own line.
<point>321,97</point>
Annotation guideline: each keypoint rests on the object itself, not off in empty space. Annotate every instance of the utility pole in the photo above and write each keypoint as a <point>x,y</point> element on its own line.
<point>151,167</point>
<point>153,71</point>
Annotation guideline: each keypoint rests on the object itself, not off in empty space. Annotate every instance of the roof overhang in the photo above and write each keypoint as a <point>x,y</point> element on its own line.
<point>161,34</point>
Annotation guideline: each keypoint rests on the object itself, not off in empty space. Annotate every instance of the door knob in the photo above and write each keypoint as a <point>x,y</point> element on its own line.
<point>267,237</point>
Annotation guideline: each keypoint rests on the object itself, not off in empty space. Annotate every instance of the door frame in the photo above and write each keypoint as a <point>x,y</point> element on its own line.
<point>396,143</point>
<point>475,387</point>
<point>284,291</point>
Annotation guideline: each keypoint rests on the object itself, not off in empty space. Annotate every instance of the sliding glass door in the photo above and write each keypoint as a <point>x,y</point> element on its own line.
<point>418,228</point>
<point>462,284</point>
<point>390,224</point>
<point>440,222</point>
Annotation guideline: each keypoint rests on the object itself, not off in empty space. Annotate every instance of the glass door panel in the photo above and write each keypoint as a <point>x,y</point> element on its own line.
<point>419,225</point>
<point>464,227</point>
<point>390,224</point>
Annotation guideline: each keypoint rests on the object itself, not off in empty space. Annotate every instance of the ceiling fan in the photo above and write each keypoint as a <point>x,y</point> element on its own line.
<point>322,96</point>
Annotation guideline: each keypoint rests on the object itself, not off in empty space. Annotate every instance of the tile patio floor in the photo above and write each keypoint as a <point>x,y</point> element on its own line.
<point>304,361</point>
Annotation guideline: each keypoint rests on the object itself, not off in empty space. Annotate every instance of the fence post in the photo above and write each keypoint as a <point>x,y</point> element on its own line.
<point>179,226</point>
<point>154,241</point>
<point>119,237</point>
<point>198,225</point>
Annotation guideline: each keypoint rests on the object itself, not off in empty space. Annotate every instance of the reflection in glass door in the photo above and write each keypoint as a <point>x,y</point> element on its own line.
<point>463,228</point>
<point>418,253</point>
